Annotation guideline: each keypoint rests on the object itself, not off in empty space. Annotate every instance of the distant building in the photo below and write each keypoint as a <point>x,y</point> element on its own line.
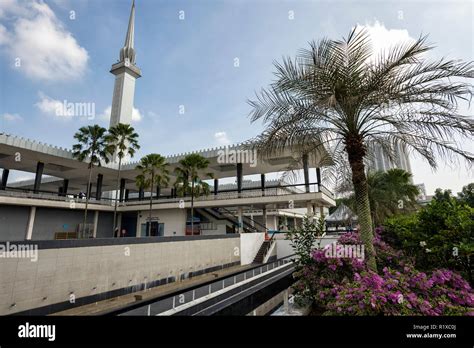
<point>422,195</point>
<point>381,162</point>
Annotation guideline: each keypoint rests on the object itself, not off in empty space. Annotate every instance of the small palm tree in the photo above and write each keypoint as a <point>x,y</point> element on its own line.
<point>389,193</point>
<point>122,141</point>
<point>342,96</point>
<point>153,173</point>
<point>190,181</point>
<point>91,145</point>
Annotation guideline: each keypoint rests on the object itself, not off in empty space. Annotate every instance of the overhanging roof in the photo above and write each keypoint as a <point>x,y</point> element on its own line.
<point>22,154</point>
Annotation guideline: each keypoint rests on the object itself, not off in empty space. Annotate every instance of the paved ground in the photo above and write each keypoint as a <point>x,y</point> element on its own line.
<point>97,308</point>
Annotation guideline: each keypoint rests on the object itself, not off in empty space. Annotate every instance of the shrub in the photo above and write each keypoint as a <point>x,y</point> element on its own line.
<point>343,286</point>
<point>439,235</point>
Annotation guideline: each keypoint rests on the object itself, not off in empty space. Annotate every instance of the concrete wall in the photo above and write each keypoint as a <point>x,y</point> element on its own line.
<point>86,271</point>
<point>13,222</point>
<point>105,225</point>
<point>50,221</point>
<point>174,220</point>
<point>283,247</point>
<point>249,245</point>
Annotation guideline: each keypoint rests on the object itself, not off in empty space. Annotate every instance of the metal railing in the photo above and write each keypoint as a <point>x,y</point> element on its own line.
<point>157,305</point>
<point>280,190</point>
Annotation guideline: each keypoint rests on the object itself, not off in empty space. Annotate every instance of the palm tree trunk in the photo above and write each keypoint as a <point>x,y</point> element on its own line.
<point>192,208</point>
<point>87,199</point>
<point>356,152</point>
<point>116,198</point>
<point>151,204</point>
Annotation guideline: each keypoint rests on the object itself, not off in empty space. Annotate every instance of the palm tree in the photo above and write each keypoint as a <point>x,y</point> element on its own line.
<point>188,179</point>
<point>154,171</point>
<point>93,146</point>
<point>385,191</point>
<point>123,141</point>
<point>340,95</point>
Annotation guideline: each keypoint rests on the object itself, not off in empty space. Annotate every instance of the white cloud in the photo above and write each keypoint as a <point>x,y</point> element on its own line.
<point>222,138</point>
<point>3,35</point>
<point>52,107</point>
<point>11,117</point>
<point>383,39</point>
<point>136,114</point>
<point>46,49</point>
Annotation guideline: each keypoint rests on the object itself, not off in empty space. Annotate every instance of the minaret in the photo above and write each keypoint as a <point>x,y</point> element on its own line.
<point>126,72</point>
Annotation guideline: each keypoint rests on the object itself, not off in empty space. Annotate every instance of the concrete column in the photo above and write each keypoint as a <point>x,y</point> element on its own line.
<point>262,183</point>
<point>239,178</point>
<point>96,222</point>
<point>127,192</point>
<point>251,220</point>
<point>122,190</point>
<point>98,190</point>
<point>216,187</point>
<point>309,209</point>
<point>306,172</point>
<point>295,222</point>
<point>275,222</point>
<point>38,175</point>
<point>240,212</point>
<point>318,178</point>
<point>31,223</point>
<point>89,193</point>
<point>5,173</point>
<point>139,226</point>
<point>65,187</point>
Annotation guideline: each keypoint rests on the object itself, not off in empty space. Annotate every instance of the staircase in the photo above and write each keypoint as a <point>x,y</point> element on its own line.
<point>228,216</point>
<point>262,252</point>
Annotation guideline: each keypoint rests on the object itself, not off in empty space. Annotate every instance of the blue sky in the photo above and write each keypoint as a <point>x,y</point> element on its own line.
<point>190,62</point>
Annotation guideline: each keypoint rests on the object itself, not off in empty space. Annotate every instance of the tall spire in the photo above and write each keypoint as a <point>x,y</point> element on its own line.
<point>128,50</point>
<point>126,72</point>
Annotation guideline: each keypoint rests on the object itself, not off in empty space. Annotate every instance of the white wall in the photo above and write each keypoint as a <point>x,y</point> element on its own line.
<point>249,245</point>
<point>284,248</point>
<point>174,220</point>
<point>86,271</point>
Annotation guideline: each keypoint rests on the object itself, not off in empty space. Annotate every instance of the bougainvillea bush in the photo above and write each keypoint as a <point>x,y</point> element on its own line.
<point>344,286</point>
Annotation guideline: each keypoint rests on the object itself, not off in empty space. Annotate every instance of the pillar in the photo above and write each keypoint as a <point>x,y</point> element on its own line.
<point>239,178</point>
<point>127,192</point>
<point>38,175</point>
<point>240,213</point>
<point>122,190</point>
<point>318,178</point>
<point>5,173</point>
<point>31,223</point>
<point>262,183</point>
<point>216,187</point>
<point>89,192</point>
<point>158,192</point>
<point>98,191</point>
<point>65,187</point>
<point>140,194</point>
<point>139,225</point>
<point>306,172</point>
<point>309,209</point>
<point>96,222</point>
